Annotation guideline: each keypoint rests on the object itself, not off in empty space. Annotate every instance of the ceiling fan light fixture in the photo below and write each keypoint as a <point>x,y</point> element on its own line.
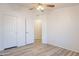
<point>40,8</point>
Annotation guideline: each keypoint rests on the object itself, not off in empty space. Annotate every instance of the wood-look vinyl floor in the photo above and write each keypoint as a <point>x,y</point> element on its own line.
<point>38,50</point>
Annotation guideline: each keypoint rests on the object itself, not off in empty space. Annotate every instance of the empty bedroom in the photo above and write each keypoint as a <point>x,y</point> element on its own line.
<point>39,29</point>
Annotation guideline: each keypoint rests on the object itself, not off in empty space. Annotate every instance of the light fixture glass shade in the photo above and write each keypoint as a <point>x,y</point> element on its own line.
<point>40,8</point>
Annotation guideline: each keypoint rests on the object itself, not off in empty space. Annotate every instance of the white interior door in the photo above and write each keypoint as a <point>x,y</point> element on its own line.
<point>9,32</point>
<point>29,32</point>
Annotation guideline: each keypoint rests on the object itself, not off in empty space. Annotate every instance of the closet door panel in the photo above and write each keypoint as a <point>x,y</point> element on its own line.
<point>9,32</point>
<point>29,29</point>
<point>21,31</point>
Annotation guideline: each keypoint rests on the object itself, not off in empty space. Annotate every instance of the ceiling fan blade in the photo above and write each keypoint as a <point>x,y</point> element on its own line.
<point>50,5</point>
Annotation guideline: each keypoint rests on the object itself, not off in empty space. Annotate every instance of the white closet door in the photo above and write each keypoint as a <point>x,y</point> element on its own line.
<point>20,31</point>
<point>29,29</point>
<point>9,34</point>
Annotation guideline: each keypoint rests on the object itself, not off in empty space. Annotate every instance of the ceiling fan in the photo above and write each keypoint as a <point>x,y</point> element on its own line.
<point>41,7</point>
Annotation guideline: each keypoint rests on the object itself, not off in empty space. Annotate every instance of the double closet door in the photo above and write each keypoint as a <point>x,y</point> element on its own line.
<point>17,31</point>
<point>9,31</point>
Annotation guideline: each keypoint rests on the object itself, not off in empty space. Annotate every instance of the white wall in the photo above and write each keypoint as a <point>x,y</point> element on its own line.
<point>63,28</point>
<point>1,33</point>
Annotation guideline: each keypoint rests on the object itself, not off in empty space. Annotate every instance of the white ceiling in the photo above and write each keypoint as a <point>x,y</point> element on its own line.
<point>26,6</point>
<point>62,5</point>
